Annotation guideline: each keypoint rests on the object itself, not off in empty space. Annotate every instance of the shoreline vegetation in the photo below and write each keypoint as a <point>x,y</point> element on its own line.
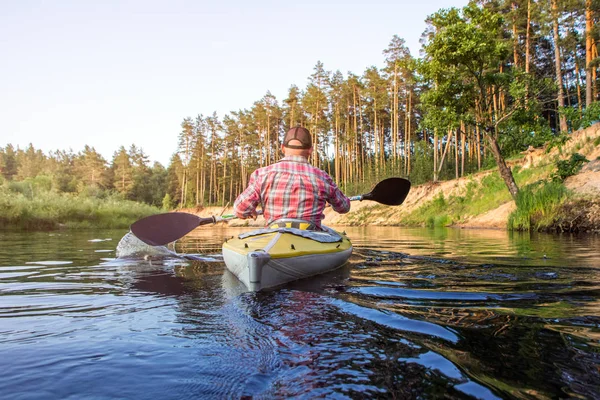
<point>548,202</point>
<point>560,192</point>
<point>46,211</point>
<point>486,124</point>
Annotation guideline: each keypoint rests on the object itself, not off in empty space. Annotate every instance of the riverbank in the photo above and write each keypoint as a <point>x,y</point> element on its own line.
<point>40,210</point>
<point>482,201</point>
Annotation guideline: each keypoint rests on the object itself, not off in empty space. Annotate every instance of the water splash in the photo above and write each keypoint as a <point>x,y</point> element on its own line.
<point>131,247</point>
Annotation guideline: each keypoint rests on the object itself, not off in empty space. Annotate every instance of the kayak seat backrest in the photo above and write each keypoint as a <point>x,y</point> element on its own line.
<point>327,235</point>
<point>294,223</point>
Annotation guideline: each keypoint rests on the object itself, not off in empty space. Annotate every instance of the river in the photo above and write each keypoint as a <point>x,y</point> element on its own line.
<point>416,313</point>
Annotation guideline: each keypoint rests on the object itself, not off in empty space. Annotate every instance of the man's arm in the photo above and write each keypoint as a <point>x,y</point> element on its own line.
<point>246,203</point>
<point>338,200</point>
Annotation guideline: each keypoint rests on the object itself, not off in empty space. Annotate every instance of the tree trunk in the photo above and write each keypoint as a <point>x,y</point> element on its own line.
<point>197,180</point>
<point>336,152</point>
<point>578,86</point>
<point>515,36</point>
<point>456,176</point>
<point>504,170</point>
<point>448,141</point>
<point>463,136</point>
<point>408,129</point>
<point>594,72</point>
<point>435,154</point>
<point>557,64</point>
<point>528,37</point>
<point>589,25</point>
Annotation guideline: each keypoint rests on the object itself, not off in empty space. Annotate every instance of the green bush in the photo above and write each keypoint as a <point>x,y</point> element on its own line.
<point>566,168</point>
<point>438,221</point>
<point>167,204</point>
<point>581,120</point>
<point>536,205</point>
<point>557,141</point>
<point>50,210</point>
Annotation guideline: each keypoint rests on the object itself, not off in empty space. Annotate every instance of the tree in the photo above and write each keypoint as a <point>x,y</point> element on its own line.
<point>463,60</point>
<point>185,151</point>
<point>123,172</point>
<point>292,110</point>
<point>315,103</point>
<point>397,57</point>
<point>30,162</point>
<point>377,111</point>
<point>8,162</point>
<point>141,189</point>
<point>62,169</point>
<point>91,168</point>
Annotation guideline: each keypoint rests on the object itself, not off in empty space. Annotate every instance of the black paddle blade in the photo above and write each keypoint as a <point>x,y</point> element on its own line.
<point>160,229</point>
<point>391,191</point>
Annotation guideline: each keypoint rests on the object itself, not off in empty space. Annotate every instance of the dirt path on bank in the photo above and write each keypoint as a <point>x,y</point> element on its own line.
<point>586,185</point>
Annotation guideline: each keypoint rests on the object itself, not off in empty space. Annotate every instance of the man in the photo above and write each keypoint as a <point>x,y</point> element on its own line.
<point>291,188</point>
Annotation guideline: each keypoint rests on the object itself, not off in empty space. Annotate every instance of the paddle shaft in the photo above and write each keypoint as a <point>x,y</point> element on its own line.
<point>160,229</point>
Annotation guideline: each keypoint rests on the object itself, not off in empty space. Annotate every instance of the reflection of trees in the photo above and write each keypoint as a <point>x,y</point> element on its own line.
<point>307,341</point>
<point>328,352</point>
<point>509,340</point>
<point>480,245</point>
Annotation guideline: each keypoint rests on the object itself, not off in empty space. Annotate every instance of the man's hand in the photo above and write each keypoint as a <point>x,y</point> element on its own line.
<point>252,215</point>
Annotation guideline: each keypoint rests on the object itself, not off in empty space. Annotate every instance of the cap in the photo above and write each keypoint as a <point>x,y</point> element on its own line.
<point>299,133</point>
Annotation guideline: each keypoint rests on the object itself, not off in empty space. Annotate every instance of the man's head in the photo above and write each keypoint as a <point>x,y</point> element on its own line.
<point>297,141</point>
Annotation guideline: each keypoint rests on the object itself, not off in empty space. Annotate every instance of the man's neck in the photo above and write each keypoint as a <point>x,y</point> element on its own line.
<point>294,157</point>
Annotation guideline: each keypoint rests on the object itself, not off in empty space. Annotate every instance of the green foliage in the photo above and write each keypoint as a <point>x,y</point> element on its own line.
<point>431,214</point>
<point>523,130</point>
<point>566,168</point>
<point>523,127</point>
<point>439,202</point>
<point>422,163</point>
<point>558,141</point>
<point>536,205</point>
<point>438,221</point>
<point>49,210</point>
<point>577,119</point>
<point>476,198</point>
<point>166,202</point>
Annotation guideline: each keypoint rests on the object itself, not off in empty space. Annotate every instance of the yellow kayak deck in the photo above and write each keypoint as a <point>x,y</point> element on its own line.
<point>286,245</point>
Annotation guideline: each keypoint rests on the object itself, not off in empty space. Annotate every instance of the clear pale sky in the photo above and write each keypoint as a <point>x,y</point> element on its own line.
<point>108,73</point>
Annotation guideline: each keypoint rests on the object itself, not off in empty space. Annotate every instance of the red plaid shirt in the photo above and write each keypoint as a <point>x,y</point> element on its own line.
<point>291,188</point>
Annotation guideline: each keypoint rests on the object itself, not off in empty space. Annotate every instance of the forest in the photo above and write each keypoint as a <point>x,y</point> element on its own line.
<point>492,79</point>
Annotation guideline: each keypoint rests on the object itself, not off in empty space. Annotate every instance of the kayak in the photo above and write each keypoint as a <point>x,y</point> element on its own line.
<point>273,256</point>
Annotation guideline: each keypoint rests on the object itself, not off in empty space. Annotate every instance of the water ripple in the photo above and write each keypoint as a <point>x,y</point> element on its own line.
<point>414,314</point>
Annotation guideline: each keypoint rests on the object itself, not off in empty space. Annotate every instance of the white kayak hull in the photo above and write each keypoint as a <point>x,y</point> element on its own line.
<point>273,259</point>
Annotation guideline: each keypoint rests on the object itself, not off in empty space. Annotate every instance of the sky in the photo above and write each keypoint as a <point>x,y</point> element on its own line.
<point>114,73</point>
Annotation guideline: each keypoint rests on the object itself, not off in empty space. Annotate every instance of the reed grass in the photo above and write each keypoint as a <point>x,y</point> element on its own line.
<point>537,205</point>
<point>47,210</point>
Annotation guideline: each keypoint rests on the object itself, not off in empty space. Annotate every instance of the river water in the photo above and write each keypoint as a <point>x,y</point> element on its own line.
<point>416,313</point>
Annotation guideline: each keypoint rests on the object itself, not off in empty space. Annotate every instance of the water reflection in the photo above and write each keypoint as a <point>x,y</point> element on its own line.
<point>414,314</point>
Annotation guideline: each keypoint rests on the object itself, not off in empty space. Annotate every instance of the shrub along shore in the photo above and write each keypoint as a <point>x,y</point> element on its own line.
<point>46,210</point>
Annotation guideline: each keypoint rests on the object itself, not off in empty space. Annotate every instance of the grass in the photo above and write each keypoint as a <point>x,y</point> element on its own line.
<point>476,198</point>
<point>49,210</point>
<point>537,205</point>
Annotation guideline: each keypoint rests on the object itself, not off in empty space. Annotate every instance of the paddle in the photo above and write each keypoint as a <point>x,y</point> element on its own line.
<point>160,229</point>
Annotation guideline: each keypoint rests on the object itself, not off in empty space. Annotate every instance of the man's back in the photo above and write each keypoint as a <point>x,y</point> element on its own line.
<point>292,188</point>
